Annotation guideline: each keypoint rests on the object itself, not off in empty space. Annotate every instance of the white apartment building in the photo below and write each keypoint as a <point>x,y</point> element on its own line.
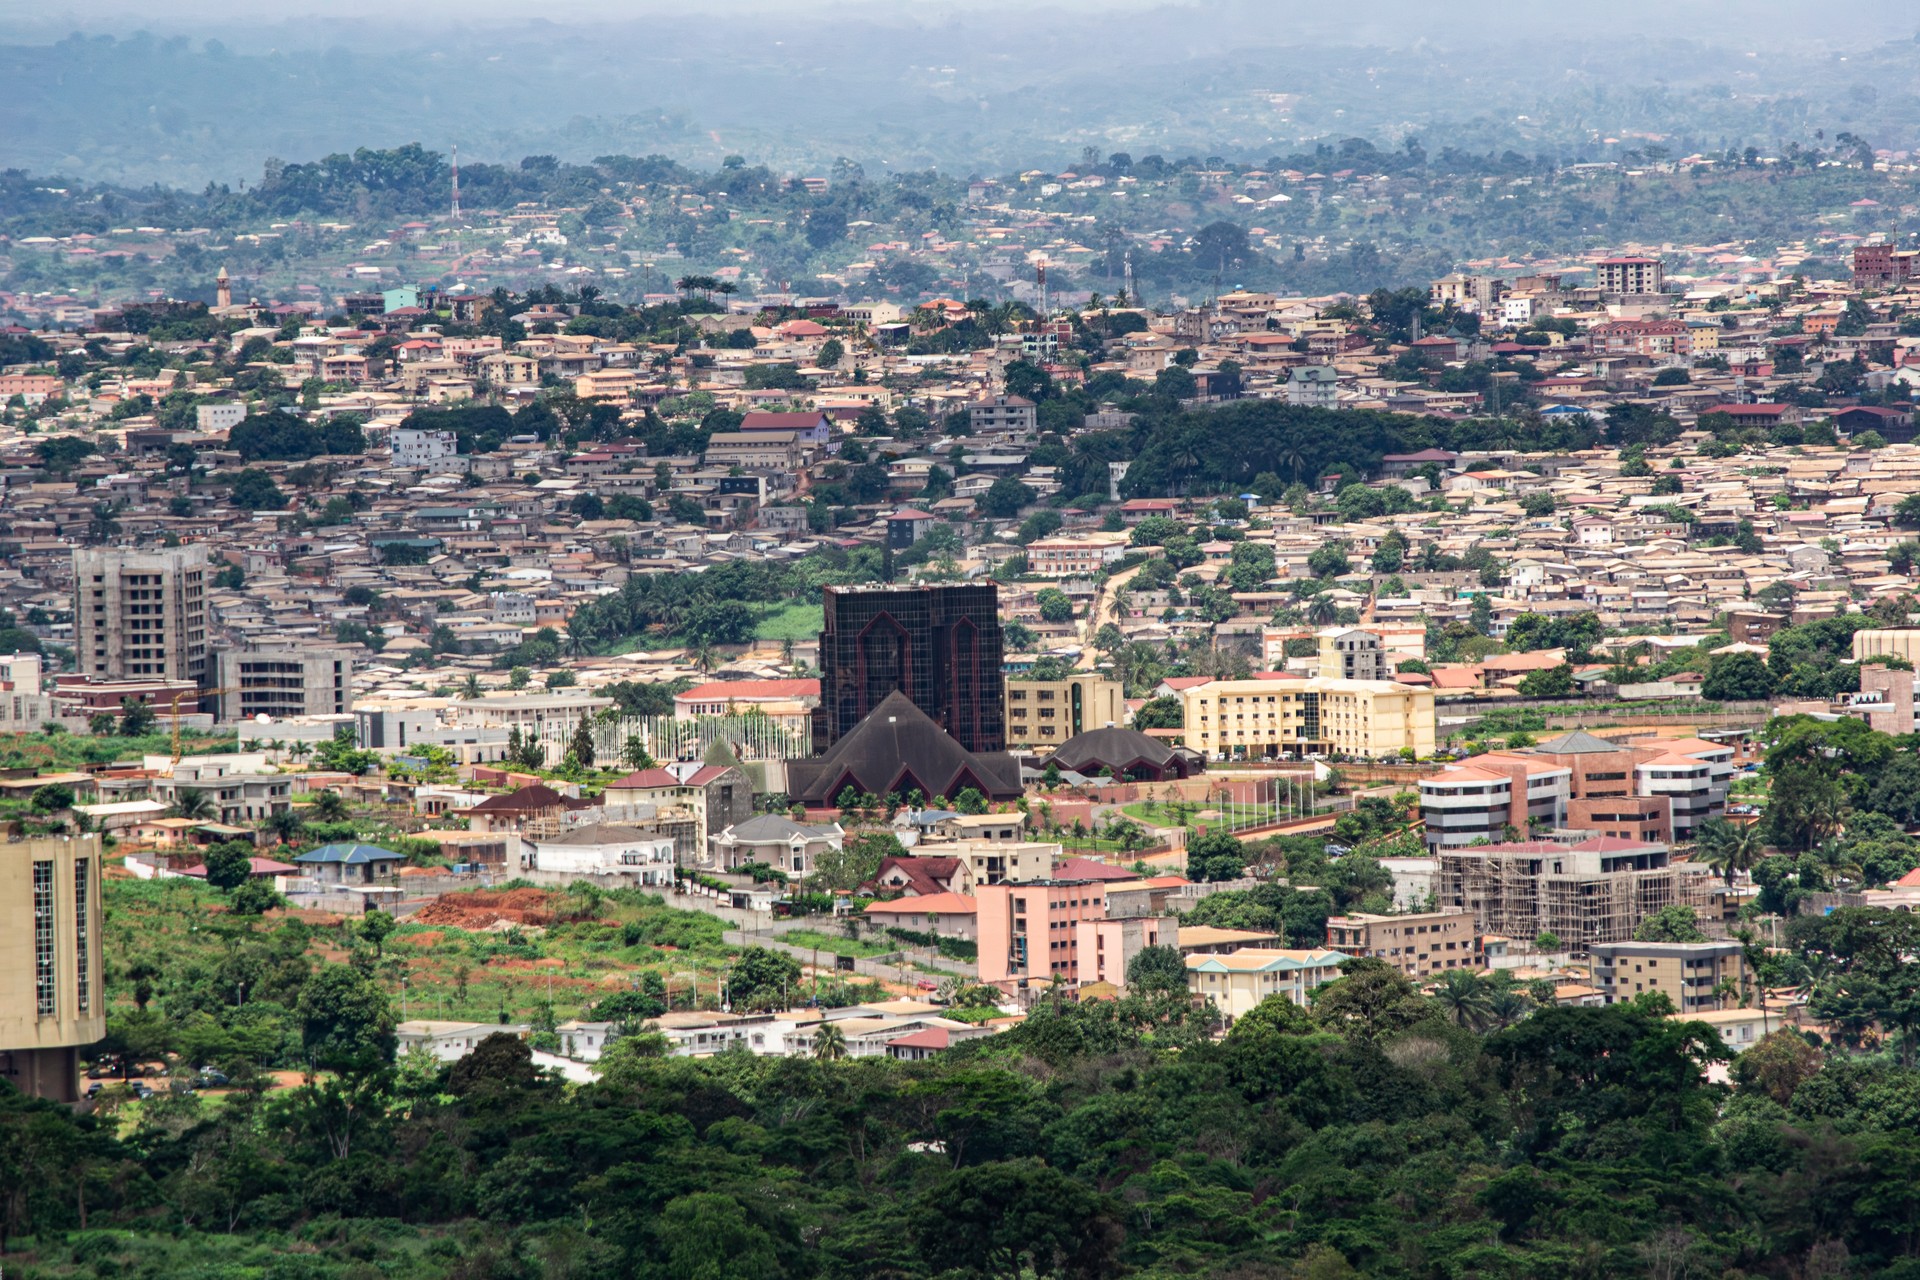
<point>416,449</point>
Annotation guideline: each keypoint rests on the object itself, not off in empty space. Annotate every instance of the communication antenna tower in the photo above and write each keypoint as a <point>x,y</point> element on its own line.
<point>1041,269</point>
<point>1126,277</point>
<point>456,186</point>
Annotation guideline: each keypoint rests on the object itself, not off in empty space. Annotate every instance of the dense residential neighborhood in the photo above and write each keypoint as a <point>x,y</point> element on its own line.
<point>623,720</point>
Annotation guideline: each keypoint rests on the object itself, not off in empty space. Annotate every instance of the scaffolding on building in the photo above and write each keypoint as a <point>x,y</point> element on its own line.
<point>1579,900</point>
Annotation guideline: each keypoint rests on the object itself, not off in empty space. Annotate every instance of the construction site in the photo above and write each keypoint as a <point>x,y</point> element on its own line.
<point>1598,890</point>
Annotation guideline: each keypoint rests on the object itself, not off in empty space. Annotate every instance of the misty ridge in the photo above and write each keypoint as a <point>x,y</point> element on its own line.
<point>208,92</point>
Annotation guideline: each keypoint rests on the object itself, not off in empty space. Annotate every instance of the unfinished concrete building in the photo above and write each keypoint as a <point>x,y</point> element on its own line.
<point>1596,891</point>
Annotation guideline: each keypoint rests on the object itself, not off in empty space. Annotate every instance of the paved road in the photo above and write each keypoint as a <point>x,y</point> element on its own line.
<point>760,929</point>
<point>884,970</point>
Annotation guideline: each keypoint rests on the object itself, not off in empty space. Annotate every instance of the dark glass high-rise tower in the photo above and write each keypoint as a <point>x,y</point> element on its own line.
<point>939,645</point>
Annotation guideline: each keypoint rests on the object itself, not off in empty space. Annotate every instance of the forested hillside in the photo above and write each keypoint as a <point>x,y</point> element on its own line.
<point>1384,1134</point>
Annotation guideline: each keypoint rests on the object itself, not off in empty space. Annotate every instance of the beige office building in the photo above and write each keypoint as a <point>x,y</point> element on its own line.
<point>1893,642</point>
<point>141,614</point>
<point>51,999</point>
<point>282,679</point>
<point>1691,974</point>
<point>1045,713</point>
<point>1421,946</point>
<point>1266,719</point>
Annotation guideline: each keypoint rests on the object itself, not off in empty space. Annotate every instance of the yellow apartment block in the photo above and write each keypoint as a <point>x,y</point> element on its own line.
<point>1045,713</point>
<point>51,1001</point>
<point>1238,982</point>
<point>1267,719</point>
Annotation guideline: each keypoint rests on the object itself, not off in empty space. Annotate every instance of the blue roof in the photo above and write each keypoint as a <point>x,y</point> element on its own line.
<point>351,854</point>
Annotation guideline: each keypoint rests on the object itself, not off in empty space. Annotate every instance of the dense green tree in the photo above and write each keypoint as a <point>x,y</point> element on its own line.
<point>1737,677</point>
<point>1156,971</point>
<point>763,979</point>
<point>1215,855</point>
<point>346,1023</point>
<point>229,864</point>
<point>1004,498</point>
<point>1670,924</point>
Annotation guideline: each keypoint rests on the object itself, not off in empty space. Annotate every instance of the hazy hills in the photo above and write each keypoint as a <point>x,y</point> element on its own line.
<point>208,91</point>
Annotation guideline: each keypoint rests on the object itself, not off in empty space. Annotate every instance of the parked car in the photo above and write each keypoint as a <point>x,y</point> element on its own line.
<point>209,1078</point>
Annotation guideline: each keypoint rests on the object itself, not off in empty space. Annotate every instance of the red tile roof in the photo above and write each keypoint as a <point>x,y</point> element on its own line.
<point>1088,869</point>
<point>931,1038</point>
<point>780,421</point>
<point>925,877</point>
<point>525,800</point>
<point>255,866</point>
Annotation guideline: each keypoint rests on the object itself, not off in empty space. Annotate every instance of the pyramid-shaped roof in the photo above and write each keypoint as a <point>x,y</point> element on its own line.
<point>1578,742</point>
<point>896,749</point>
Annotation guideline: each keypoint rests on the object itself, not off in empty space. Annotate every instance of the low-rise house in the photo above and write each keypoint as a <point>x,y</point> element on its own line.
<point>951,915</point>
<point>351,863</point>
<point>448,1041</point>
<point>1237,982</point>
<point>608,850</point>
<point>775,841</point>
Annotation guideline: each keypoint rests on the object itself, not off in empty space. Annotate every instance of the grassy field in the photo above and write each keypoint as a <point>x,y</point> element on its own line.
<point>439,970</point>
<point>790,621</point>
<point>47,752</point>
<point>793,621</point>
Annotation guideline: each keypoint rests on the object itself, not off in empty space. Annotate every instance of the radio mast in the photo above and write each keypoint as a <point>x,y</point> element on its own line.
<point>456,187</point>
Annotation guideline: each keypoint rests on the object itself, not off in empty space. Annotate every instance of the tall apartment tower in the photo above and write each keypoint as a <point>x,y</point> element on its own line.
<point>141,613</point>
<point>940,645</point>
<point>1632,275</point>
<point>52,1001</point>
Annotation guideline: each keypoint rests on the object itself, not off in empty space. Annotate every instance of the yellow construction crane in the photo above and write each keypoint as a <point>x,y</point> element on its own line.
<point>180,697</point>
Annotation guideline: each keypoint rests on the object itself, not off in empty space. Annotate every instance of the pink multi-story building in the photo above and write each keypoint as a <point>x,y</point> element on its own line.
<point>1059,931</point>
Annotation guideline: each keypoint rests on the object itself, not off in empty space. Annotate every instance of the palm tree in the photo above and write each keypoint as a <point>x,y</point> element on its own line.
<point>1507,1005</point>
<point>705,659</point>
<point>1322,611</point>
<point>330,806</point>
<point>1463,995</point>
<point>1828,814</point>
<point>285,825</point>
<point>193,803</point>
<point>471,689</point>
<point>829,1043</point>
<point>1730,848</point>
<point>105,521</point>
<point>1839,863</point>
